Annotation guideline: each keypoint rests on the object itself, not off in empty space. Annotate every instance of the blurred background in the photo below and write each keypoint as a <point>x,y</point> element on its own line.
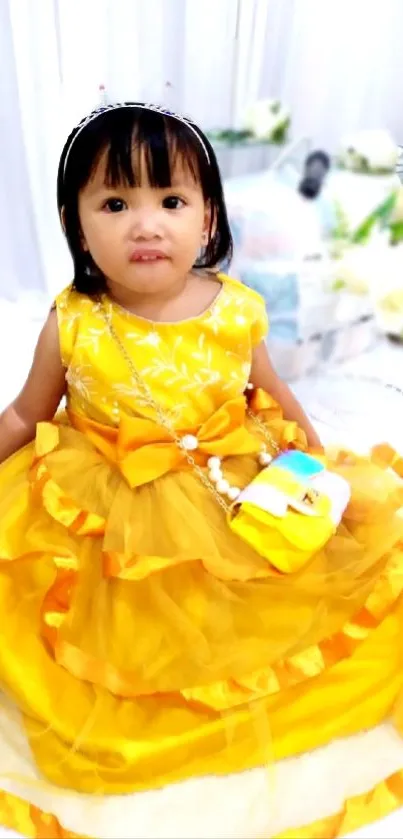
<point>302,100</point>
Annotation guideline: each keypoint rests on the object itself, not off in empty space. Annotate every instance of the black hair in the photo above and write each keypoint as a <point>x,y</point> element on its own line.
<point>163,139</point>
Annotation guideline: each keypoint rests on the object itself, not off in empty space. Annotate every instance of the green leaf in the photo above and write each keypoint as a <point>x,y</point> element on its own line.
<point>338,285</point>
<point>381,215</point>
<point>231,136</point>
<point>279,135</point>
<point>385,209</point>
<point>396,232</point>
<point>341,230</point>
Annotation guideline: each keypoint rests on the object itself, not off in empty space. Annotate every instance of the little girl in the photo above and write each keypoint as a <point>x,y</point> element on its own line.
<point>146,649</point>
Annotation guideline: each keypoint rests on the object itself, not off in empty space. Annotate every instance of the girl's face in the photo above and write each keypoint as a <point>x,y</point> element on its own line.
<point>143,238</point>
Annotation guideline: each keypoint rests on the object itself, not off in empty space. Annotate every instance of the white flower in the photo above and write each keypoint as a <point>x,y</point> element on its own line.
<point>90,338</point>
<point>364,269</point>
<point>397,213</point>
<point>67,318</point>
<point>393,302</point>
<point>387,285</point>
<point>266,118</point>
<point>130,390</point>
<point>369,151</point>
<point>79,378</point>
<point>152,339</point>
<point>215,320</point>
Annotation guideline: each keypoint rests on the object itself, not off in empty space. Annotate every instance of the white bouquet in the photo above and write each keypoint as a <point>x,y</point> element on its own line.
<point>360,268</point>
<point>267,120</point>
<point>375,270</point>
<point>369,152</point>
<point>387,293</point>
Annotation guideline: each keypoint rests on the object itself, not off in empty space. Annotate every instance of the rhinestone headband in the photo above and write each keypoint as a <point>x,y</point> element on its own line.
<point>157,109</point>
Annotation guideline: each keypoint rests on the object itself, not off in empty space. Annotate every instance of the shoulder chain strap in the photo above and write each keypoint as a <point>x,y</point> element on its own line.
<point>166,423</point>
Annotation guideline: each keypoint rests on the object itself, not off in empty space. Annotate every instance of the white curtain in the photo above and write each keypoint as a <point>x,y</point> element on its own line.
<point>21,258</point>
<point>178,53</point>
<point>338,64</point>
<point>32,136</point>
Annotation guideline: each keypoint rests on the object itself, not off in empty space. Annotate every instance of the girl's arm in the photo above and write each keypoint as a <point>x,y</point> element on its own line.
<point>264,376</point>
<point>40,396</point>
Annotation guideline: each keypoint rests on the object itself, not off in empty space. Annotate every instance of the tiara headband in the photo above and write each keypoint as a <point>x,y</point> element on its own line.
<point>157,109</point>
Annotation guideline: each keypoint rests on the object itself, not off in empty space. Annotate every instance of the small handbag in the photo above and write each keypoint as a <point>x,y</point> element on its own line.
<point>287,512</point>
<point>291,509</point>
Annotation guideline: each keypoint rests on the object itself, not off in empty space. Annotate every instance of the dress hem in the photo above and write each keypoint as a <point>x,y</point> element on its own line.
<point>357,812</point>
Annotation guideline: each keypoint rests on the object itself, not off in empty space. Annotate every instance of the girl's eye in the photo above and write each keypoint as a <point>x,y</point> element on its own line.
<point>114,205</point>
<point>173,202</point>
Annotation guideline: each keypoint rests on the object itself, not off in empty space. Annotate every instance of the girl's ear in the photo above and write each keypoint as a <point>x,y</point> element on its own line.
<point>208,230</point>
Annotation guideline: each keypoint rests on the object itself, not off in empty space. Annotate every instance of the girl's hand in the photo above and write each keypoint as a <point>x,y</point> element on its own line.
<point>264,376</point>
<point>40,396</point>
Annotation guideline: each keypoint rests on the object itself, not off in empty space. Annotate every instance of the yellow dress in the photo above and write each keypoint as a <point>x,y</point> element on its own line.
<point>145,650</point>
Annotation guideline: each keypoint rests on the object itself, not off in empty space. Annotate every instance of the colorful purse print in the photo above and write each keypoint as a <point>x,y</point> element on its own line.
<point>290,510</point>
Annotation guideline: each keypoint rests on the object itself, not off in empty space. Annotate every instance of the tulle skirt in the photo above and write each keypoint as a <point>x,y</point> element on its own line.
<point>146,651</point>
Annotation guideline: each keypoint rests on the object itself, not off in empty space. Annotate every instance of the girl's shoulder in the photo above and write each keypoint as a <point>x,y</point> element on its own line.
<point>240,292</point>
<point>244,306</point>
<point>75,313</point>
<point>242,297</point>
<point>70,300</point>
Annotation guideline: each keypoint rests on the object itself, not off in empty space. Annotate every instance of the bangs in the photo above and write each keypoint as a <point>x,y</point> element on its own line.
<point>141,147</point>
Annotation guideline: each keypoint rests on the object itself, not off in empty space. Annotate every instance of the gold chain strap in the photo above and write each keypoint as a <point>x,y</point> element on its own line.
<point>168,425</point>
<point>262,427</point>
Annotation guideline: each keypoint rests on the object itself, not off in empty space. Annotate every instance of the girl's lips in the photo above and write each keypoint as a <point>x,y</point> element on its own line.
<point>147,255</point>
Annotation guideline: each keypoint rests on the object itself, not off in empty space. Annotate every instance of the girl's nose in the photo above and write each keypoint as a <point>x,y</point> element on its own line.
<point>145,224</point>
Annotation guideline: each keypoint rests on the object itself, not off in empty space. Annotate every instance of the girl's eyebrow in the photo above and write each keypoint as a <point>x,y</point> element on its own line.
<point>179,181</point>
<point>184,182</point>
